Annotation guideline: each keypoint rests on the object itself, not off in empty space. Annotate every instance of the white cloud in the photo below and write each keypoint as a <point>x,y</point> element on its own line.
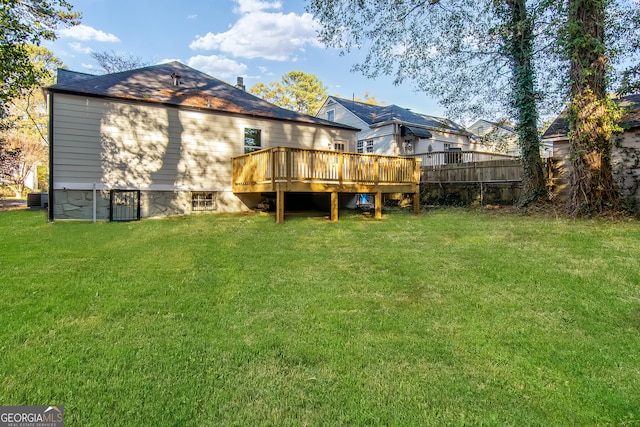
<point>217,66</point>
<point>85,33</point>
<point>191,17</point>
<point>167,60</point>
<point>273,36</point>
<point>250,6</point>
<point>78,47</point>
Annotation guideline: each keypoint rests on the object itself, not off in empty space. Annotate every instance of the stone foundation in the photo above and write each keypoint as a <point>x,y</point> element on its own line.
<point>78,204</point>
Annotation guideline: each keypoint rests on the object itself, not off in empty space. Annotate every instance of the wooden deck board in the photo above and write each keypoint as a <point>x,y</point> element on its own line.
<point>282,170</point>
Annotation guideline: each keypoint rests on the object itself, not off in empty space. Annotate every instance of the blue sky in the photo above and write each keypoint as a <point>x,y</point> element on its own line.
<point>258,39</point>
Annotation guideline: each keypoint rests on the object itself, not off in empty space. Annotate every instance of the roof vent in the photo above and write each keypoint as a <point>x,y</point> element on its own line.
<point>176,79</point>
<point>240,84</point>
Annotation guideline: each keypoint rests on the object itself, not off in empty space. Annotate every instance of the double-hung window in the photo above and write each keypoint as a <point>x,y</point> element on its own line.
<point>252,140</point>
<point>369,147</point>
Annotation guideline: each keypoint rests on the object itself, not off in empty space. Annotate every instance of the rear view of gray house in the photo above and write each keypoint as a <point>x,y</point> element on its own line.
<point>158,141</point>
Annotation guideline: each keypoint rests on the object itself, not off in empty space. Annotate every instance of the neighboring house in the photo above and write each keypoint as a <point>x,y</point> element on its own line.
<point>496,137</point>
<point>501,138</point>
<point>625,156</point>
<point>393,130</point>
<point>162,138</point>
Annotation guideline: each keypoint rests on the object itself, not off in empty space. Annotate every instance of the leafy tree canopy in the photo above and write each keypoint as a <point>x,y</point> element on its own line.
<point>25,22</point>
<point>27,113</point>
<point>24,143</point>
<point>297,91</point>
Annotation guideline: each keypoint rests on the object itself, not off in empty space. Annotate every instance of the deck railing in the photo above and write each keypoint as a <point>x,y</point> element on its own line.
<point>297,169</point>
<point>439,158</point>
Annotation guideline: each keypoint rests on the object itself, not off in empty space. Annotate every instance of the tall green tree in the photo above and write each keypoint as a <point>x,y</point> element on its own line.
<point>593,117</point>
<point>25,142</point>
<point>296,91</point>
<point>23,23</point>
<point>519,40</point>
<point>27,113</point>
<point>476,57</point>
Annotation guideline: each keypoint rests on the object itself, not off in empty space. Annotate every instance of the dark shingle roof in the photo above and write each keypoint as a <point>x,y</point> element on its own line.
<point>376,114</point>
<point>155,84</point>
<point>560,126</point>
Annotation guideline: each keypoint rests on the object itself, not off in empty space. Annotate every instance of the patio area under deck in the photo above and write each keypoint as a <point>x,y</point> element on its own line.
<point>282,170</point>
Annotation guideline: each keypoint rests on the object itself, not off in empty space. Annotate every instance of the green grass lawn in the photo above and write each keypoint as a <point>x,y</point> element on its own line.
<point>448,318</point>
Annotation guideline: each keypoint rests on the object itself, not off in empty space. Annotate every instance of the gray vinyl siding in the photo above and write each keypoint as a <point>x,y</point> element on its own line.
<point>120,144</point>
<point>383,140</point>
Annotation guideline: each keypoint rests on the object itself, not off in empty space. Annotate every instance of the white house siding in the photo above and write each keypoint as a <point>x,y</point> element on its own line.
<point>342,115</point>
<point>164,152</point>
<point>439,139</point>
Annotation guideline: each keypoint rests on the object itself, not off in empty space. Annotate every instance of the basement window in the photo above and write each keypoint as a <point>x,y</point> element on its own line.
<point>252,140</point>
<point>203,201</point>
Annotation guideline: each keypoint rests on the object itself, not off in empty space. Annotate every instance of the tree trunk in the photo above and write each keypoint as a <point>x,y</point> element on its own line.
<point>592,117</point>
<point>520,45</point>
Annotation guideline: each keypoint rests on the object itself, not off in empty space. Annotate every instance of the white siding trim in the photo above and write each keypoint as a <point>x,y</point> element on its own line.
<point>152,187</point>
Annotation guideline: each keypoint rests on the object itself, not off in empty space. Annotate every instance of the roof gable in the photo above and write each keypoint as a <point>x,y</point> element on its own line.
<point>482,124</point>
<point>375,114</point>
<point>196,89</point>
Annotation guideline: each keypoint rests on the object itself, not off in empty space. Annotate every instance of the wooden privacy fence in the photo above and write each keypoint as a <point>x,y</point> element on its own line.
<point>284,169</point>
<point>507,170</point>
<point>493,181</point>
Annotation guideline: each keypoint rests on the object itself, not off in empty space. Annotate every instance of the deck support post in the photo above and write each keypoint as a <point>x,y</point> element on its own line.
<point>378,201</point>
<point>416,203</point>
<point>279,206</point>
<point>334,206</point>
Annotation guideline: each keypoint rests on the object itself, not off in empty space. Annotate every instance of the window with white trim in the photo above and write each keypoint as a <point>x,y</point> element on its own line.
<point>252,140</point>
<point>360,146</point>
<point>369,145</point>
<point>331,115</point>
<point>339,145</point>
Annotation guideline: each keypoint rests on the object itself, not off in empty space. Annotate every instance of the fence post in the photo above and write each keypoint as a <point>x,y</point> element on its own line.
<point>334,206</point>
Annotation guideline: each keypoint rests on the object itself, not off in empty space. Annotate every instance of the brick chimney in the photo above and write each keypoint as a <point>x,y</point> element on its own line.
<point>176,79</point>
<point>240,84</point>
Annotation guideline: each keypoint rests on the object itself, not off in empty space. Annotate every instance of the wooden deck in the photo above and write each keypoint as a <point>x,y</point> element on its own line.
<point>282,170</point>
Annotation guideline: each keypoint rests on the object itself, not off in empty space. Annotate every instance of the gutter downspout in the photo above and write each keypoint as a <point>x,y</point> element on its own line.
<point>51,179</point>
<point>94,202</point>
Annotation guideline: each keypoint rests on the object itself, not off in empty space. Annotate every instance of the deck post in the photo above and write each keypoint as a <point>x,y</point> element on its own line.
<point>334,206</point>
<point>378,214</point>
<point>416,202</point>
<point>279,206</point>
